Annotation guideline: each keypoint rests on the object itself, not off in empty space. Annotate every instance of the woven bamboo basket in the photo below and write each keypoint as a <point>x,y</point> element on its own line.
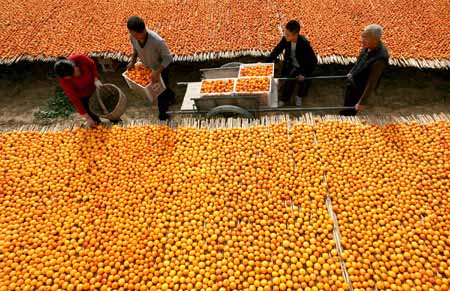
<point>109,102</point>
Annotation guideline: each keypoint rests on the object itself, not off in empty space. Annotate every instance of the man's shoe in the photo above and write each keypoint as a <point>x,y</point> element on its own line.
<point>298,101</point>
<point>173,100</point>
<point>163,116</point>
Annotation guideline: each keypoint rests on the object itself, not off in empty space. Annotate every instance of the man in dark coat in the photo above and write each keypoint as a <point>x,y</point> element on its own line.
<point>299,62</point>
<point>365,75</point>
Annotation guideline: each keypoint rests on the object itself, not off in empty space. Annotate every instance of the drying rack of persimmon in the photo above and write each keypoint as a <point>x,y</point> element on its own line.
<point>214,29</point>
<point>237,89</point>
<point>228,205</point>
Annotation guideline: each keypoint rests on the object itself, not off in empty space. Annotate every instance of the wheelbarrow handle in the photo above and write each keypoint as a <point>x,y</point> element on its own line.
<point>318,77</point>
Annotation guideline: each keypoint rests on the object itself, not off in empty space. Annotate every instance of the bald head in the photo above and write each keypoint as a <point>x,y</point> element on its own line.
<point>371,36</point>
<point>373,30</point>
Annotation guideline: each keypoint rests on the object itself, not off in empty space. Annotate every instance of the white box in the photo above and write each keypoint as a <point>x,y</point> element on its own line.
<point>257,65</point>
<point>151,91</point>
<point>263,96</point>
<point>219,93</point>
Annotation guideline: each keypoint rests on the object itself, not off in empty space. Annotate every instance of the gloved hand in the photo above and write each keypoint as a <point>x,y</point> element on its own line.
<point>98,83</point>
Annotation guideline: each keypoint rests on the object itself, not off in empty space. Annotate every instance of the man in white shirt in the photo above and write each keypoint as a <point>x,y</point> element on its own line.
<point>294,60</point>
<point>153,51</point>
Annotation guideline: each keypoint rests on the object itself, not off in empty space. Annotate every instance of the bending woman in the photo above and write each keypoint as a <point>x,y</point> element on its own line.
<point>78,77</point>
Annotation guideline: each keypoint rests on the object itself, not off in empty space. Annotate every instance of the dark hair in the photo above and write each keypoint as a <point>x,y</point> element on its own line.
<point>136,23</point>
<point>293,26</point>
<point>64,67</point>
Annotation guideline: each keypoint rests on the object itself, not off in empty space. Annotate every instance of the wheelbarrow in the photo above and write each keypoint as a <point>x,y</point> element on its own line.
<point>230,105</point>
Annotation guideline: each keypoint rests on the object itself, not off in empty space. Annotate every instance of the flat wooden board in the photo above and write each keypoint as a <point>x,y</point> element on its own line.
<point>192,92</point>
<point>220,73</point>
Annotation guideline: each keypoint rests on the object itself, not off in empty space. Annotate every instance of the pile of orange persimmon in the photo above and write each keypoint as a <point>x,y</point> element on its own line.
<point>140,74</point>
<point>256,84</point>
<point>389,186</point>
<point>224,27</point>
<point>217,86</point>
<point>157,208</point>
<point>257,71</point>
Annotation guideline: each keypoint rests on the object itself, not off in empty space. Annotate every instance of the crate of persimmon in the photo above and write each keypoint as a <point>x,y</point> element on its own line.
<point>217,87</point>
<point>256,70</point>
<point>139,79</point>
<point>260,87</point>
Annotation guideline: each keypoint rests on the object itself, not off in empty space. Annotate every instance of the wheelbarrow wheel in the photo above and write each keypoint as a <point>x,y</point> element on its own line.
<point>229,111</point>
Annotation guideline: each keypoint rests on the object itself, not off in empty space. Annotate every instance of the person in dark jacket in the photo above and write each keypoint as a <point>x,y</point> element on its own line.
<point>299,62</point>
<point>365,75</point>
